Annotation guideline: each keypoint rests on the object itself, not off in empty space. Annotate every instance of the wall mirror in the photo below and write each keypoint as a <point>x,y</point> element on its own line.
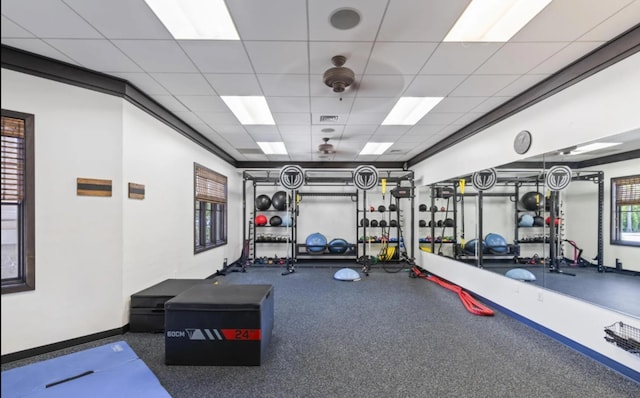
<point>579,240</point>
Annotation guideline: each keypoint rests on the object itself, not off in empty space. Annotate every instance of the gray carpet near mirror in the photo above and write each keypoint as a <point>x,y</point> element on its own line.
<point>387,335</point>
<point>614,290</point>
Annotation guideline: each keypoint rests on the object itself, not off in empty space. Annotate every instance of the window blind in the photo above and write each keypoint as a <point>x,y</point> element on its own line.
<point>210,186</point>
<point>627,190</point>
<point>13,160</point>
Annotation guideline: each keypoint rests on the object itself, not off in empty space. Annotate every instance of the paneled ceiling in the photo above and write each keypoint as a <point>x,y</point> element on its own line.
<point>286,45</point>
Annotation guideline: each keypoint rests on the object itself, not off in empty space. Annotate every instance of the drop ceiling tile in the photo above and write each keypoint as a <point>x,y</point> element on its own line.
<point>366,118</point>
<point>138,22</point>
<point>278,56</point>
<point>567,20</point>
<point>410,20</point>
<point>99,55</point>
<point>11,30</point>
<point>231,129</point>
<point>483,85</point>
<point>440,118</point>
<point>458,104</point>
<point>564,57</point>
<point>265,20</point>
<point>359,130</point>
<point>184,83</point>
<point>291,118</point>
<point>615,25</point>
<point>278,85</point>
<point>143,82</point>
<point>320,29</point>
<point>391,131</point>
<point>36,17</point>
<point>234,84</point>
<point>156,55</point>
<point>519,58</point>
<point>38,46</point>
<point>218,119</point>
<point>433,86</point>
<point>383,86</point>
<point>328,105</point>
<point>169,102</point>
<point>289,104</point>
<point>376,105</point>
<point>398,58</point>
<point>200,103</point>
<point>458,58</point>
<point>422,130</point>
<point>217,56</point>
<point>356,53</point>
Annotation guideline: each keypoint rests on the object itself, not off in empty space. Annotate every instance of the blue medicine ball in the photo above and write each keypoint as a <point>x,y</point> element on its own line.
<point>316,243</point>
<point>526,220</point>
<point>286,220</point>
<point>496,243</point>
<point>338,245</point>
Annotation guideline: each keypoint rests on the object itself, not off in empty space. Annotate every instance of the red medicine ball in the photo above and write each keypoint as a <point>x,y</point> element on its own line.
<point>261,219</point>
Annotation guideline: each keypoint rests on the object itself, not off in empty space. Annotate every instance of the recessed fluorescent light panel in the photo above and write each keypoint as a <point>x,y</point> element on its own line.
<point>408,110</point>
<point>593,147</point>
<point>273,148</point>
<point>375,148</point>
<point>195,19</point>
<point>250,109</point>
<point>494,20</point>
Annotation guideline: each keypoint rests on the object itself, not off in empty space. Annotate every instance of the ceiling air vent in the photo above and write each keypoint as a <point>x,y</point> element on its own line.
<point>328,118</point>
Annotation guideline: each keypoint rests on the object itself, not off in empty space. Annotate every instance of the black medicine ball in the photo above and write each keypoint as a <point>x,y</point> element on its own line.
<point>393,223</point>
<point>393,207</point>
<point>374,223</point>
<point>263,202</point>
<point>382,223</point>
<point>275,221</point>
<point>364,222</point>
<point>422,223</point>
<point>382,209</point>
<point>422,207</point>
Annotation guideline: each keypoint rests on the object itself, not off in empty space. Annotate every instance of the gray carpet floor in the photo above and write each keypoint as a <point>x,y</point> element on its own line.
<point>386,335</point>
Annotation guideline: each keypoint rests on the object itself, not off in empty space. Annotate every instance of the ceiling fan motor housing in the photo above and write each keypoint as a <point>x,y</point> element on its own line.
<point>338,77</point>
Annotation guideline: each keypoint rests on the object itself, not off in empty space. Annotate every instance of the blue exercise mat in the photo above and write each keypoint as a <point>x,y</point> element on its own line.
<point>111,370</point>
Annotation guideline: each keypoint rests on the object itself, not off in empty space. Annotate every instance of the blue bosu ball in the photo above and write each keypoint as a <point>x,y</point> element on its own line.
<point>496,243</point>
<point>338,245</point>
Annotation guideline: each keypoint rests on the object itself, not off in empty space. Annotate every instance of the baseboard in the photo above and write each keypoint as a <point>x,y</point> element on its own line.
<point>15,356</point>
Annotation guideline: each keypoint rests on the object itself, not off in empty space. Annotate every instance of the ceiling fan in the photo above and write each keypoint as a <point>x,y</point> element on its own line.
<point>326,148</point>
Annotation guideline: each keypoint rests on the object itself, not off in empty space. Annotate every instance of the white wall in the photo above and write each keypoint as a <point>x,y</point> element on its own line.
<point>599,106</point>
<point>93,252</point>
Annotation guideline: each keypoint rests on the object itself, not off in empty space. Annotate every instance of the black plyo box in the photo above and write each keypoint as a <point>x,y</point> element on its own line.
<point>221,325</point>
<point>146,310</point>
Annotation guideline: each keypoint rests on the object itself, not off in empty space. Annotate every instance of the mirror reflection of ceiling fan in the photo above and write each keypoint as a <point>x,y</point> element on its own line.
<point>326,148</point>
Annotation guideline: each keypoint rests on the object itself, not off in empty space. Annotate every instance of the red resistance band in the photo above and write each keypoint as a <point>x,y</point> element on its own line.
<point>471,304</point>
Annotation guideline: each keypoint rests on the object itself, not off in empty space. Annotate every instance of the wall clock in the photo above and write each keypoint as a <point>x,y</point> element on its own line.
<point>522,142</point>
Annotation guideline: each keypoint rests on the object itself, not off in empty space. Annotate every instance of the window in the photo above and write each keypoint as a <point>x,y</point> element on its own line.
<point>18,213</point>
<point>210,209</point>
<point>625,211</point>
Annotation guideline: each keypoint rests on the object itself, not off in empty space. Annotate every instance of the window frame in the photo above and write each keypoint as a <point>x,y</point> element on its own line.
<point>210,215</point>
<point>615,220</point>
<point>26,280</point>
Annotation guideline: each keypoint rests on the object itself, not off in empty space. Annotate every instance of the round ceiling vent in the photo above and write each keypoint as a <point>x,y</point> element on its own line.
<point>345,18</point>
